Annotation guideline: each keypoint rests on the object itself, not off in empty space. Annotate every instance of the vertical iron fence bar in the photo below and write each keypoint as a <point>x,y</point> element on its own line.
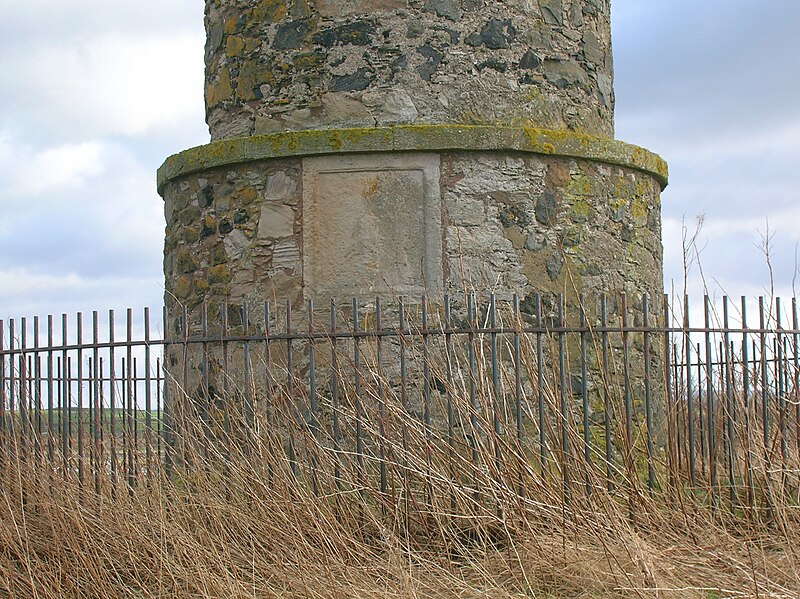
<point>129,382</point>
<point>562,397</point>
<point>784,407</point>
<point>381,399</point>
<point>205,399</point>
<point>796,378</point>
<point>689,399</point>
<point>540,384</point>
<point>268,399</point>
<point>700,417</point>
<point>627,380</point>
<point>249,412</point>
<point>112,393</point>
<point>764,389</point>
<point>5,441</point>
<point>358,398</point>
<point>96,386</point>
<point>710,399</point>
<point>26,429</point>
<point>404,402</point>
<point>426,401</point>
<point>90,415</point>
<point>668,397</point>
<point>161,399</point>
<point>163,395</point>
<point>37,392</point>
<point>313,399</point>
<point>148,398</point>
<point>135,416</point>
<point>227,404</point>
<point>102,408</point>
<point>267,368</point>
<point>648,408</point>
<point>496,400</point>
<point>290,398</point>
<point>473,417</point>
<point>59,409</point>
<point>587,450</point>
<point>66,402</point>
<point>729,403</point>
<point>11,377</point>
<point>22,385</point>
<point>607,409</point>
<point>50,393</point>
<point>79,341</point>
<point>184,402</point>
<point>779,375</point>
<point>517,390</point>
<point>124,419</point>
<point>165,405</point>
<point>337,435</point>
<point>680,389</point>
<point>448,345</point>
<point>748,456</point>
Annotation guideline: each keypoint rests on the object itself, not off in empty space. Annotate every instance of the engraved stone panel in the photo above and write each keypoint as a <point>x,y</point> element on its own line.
<point>372,225</point>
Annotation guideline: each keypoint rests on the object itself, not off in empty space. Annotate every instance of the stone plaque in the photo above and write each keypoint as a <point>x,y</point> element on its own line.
<point>372,225</point>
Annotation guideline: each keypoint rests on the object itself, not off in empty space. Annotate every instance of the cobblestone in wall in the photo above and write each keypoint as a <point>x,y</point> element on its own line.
<point>275,65</point>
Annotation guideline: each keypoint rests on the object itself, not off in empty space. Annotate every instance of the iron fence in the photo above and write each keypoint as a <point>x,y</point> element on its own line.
<point>414,399</point>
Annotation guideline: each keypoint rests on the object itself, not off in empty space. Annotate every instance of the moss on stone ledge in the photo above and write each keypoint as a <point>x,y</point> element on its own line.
<point>410,138</point>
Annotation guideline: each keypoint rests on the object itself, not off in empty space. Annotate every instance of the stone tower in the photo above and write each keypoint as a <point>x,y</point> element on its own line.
<point>404,147</point>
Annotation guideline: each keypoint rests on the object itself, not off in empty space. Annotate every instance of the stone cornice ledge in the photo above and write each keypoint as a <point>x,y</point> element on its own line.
<point>411,138</point>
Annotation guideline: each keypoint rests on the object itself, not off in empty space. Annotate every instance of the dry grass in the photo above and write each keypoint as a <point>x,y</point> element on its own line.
<point>237,520</point>
<point>253,531</point>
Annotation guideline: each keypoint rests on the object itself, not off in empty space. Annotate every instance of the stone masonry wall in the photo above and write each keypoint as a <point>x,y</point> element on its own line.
<point>512,223</point>
<point>276,65</point>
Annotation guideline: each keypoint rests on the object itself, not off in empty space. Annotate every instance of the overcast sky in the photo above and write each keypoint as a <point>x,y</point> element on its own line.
<point>95,94</point>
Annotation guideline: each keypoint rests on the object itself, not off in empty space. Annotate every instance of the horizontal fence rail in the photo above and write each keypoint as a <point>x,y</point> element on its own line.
<point>420,403</point>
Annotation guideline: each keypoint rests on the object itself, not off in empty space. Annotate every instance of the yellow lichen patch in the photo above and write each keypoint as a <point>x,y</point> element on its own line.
<point>248,195</point>
<point>308,60</point>
<point>639,210</point>
<point>334,141</point>
<point>234,46</point>
<point>218,92</point>
<point>579,185</point>
<point>219,274</point>
<point>183,287</point>
<point>201,285</point>
<point>251,76</point>
<point>269,11</point>
<point>401,138</point>
<point>231,25</point>
<point>580,210</point>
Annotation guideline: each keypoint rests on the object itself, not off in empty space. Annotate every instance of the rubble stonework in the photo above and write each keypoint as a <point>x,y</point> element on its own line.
<point>282,65</point>
<point>392,147</point>
<point>512,222</point>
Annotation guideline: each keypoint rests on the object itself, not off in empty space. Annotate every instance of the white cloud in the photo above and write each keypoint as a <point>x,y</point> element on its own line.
<point>28,172</point>
<point>24,292</point>
<point>113,84</point>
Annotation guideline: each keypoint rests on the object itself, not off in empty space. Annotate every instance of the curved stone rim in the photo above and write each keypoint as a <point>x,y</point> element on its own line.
<point>410,138</point>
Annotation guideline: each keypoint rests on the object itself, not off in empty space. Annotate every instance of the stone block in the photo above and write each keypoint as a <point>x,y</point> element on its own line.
<point>372,225</point>
<point>276,221</point>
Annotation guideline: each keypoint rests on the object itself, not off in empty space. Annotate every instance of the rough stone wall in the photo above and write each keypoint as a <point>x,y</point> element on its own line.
<point>275,65</point>
<point>513,223</point>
